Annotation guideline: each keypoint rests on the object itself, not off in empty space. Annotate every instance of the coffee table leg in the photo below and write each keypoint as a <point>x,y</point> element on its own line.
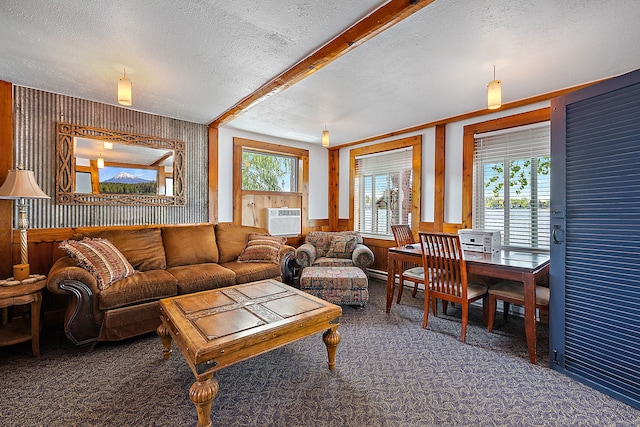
<point>166,341</point>
<point>331,339</point>
<point>201,394</point>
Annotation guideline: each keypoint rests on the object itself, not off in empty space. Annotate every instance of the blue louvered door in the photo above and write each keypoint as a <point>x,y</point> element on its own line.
<point>595,249</point>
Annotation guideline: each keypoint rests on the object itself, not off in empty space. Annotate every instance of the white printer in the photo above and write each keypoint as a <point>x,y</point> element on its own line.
<point>480,240</point>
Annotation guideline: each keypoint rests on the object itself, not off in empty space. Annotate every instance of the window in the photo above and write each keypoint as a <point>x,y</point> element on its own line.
<point>268,176</point>
<point>262,171</point>
<point>511,185</point>
<point>383,191</point>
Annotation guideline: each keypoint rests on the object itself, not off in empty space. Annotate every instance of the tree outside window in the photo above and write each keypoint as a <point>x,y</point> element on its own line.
<point>269,172</point>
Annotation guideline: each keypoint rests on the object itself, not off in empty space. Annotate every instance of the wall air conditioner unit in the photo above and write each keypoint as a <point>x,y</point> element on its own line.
<point>284,221</point>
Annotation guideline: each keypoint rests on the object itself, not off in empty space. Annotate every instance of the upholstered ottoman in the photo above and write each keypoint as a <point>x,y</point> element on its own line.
<point>338,285</point>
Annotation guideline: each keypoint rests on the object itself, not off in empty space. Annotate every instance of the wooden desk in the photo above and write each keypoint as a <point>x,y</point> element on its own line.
<point>516,265</point>
<point>217,328</point>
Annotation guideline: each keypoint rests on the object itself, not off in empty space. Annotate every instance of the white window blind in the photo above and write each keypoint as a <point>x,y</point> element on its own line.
<point>511,185</point>
<point>382,193</point>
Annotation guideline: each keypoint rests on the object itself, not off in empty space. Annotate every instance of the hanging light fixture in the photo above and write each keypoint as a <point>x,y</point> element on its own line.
<point>494,93</point>
<point>124,89</point>
<point>100,162</point>
<point>325,137</point>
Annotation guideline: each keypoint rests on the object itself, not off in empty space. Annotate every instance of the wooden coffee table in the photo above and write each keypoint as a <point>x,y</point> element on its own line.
<point>217,328</point>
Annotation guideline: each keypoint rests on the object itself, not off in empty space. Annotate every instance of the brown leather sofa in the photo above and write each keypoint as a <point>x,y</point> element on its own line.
<point>168,261</point>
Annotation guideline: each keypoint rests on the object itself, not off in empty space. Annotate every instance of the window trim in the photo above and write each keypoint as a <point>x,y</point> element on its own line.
<point>468,140</point>
<point>505,147</point>
<point>415,142</point>
<point>239,144</point>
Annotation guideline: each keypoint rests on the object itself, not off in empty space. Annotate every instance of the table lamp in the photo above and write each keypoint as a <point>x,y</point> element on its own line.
<point>20,185</point>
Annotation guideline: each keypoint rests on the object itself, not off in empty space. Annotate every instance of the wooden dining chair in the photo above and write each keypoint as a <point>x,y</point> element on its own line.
<point>410,272</point>
<point>443,259</point>
<point>513,293</point>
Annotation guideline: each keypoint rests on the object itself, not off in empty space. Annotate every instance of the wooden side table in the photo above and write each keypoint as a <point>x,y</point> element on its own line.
<point>26,292</point>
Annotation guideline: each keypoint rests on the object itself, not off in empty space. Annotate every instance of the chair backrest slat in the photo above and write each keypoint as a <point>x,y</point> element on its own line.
<point>442,253</point>
<point>402,235</point>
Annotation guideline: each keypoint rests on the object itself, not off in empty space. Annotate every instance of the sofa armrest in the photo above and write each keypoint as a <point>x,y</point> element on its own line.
<point>305,255</point>
<point>287,253</point>
<point>66,268</point>
<point>82,318</point>
<point>362,256</point>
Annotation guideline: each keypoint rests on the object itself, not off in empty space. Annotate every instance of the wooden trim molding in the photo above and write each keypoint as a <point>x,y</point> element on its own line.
<point>334,189</point>
<point>439,172</point>
<point>6,163</point>
<point>213,147</point>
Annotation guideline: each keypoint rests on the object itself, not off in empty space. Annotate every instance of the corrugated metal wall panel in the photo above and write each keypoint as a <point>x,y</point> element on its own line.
<point>36,113</point>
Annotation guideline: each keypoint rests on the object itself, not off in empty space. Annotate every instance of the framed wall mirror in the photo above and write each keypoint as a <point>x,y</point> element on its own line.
<point>104,167</point>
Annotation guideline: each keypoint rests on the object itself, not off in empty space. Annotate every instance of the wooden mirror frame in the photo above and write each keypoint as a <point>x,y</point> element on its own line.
<point>65,167</point>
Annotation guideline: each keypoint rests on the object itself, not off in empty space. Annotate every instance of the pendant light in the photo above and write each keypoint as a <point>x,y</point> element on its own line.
<point>100,162</point>
<point>494,93</point>
<point>124,89</point>
<point>325,137</point>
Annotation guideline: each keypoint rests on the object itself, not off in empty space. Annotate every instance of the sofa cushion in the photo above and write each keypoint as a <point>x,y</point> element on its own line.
<point>140,287</point>
<point>186,245</point>
<point>323,261</point>
<point>252,271</point>
<point>143,247</point>
<point>322,239</point>
<point>202,277</point>
<point>262,248</point>
<point>99,257</point>
<point>342,246</point>
<point>232,239</point>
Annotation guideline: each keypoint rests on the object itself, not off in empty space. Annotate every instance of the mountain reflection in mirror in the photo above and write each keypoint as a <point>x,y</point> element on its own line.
<point>112,168</point>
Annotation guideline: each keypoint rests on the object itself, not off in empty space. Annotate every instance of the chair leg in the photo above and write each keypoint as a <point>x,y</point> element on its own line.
<point>485,309</point>
<point>505,310</point>
<point>465,320</point>
<point>400,290</point>
<point>492,312</point>
<point>425,316</point>
<point>434,306</point>
<point>415,290</point>
<point>444,307</point>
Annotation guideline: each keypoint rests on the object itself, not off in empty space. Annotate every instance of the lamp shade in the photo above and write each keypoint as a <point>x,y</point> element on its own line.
<point>100,162</point>
<point>494,95</point>
<point>124,91</point>
<point>325,138</point>
<point>21,184</point>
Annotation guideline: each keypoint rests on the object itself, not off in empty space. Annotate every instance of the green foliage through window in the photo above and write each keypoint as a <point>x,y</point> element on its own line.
<point>519,173</point>
<point>268,172</point>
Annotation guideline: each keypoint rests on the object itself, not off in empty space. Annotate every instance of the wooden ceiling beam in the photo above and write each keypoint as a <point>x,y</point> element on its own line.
<point>368,27</point>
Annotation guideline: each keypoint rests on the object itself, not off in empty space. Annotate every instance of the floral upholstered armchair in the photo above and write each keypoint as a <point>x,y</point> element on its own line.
<point>334,249</point>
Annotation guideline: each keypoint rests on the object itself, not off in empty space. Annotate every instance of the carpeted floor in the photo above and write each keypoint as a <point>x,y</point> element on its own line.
<point>390,372</point>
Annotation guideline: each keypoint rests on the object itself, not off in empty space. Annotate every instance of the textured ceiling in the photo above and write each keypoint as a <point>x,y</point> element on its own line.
<point>193,60</point>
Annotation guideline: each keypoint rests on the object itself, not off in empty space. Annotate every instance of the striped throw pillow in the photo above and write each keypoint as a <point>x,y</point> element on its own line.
<point>100,258</point>
<point>262,248</point>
